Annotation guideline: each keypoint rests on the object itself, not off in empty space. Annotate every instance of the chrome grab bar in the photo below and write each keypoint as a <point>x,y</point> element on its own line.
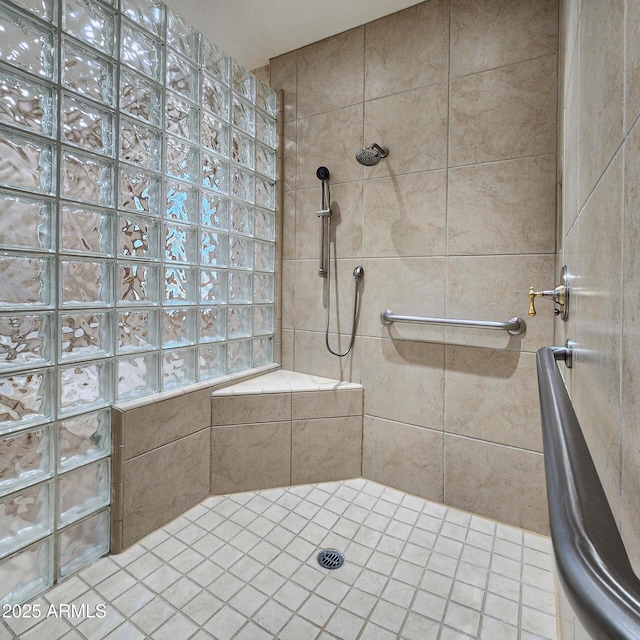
<point>592,563</point>
<point>515,326</point>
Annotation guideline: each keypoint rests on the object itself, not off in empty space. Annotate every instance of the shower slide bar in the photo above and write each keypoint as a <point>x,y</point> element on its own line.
<point>593,565</point>
<point>515,326</point>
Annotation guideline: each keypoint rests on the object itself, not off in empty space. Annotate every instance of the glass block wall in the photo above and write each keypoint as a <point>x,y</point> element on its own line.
<point>137,229</point>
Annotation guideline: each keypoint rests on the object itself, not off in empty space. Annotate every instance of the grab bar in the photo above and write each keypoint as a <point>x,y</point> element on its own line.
<point>592,562</point>
<point>515,326</point>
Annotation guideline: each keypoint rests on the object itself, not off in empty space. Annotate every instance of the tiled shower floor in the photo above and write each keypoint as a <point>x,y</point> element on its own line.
<point>243,567</point>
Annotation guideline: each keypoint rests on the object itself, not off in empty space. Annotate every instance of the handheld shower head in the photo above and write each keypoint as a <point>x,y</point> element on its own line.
<point>322,173</point>
<point>370,156</point>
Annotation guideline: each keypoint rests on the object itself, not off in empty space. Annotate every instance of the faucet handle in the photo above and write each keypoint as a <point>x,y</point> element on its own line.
<point>559,294</point>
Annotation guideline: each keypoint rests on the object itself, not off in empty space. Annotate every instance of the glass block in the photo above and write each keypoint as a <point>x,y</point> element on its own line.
<point>182,159</point>
<point>182,76</point>
<point>243,81</point>
<point>180,243</point>
<point>139,191</point>
<point>26,162</point>
<point>242,184</point>
<point>179,285</point>
<point>27,573</point>
<point>263,287</point>
<point>42,8</point>
<point>140,98</point>
<point>240,252</point>
<point>85,283</point>
<point>25,399</point>
<point>137,376</point>
<point>266,129</point>
<point>215,173</point>
<point>214,61</point>
<point>181,117</point>
<point>182,202</point>
<point>178,368</point>
<point>265,224</point>
<point>138,237</point>
<point>138,283</point>
<point>140,145</point>
<point>239,321</point>
<point>265,256</point>
<point>25,282</point>
<point>83,543</point>
<point>214,134</point>
<point>214,248</point>
<point>212,361</point>
<point>266,161</point>
<point>261,351</point>
<point>83,439</point>
<point>215,97</point>
<point>137,330</point>
<point>27,44</point>
<point>87,126</point>
<point>84,335</point>
<point>238,355</point>
<point>25,340</point>
<point>91,22</point>
<point>25,517</point>
<point>243,115</point>
<point>86,230</point>
<point>265,193</point>
<point>240,286</point>
<point>266,98</point>
<point>25,458</point>
<point>214,210</point>
<point>213,286</point>
<point>178,327</point>
<point>182,36</point>
<point>87,178</point>
<point>85,386</point>
<point>83,490</point>
<point>27,104</point>
<point>27,223</point>
<point>212,324</point>
<point>147,13</point>
<point>141,51</point>
<point>88,73</point>
<point>242,216</point>
<point>242,149</point>
<point>262,320</point>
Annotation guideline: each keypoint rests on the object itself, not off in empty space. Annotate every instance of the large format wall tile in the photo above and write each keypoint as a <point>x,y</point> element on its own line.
<point>162,484</point>
<point>503,207</point>
<point>405,380</point>
<point>311,356</point>
<point>330,73</point>
<point>496,481</point>
<point>413,125</point>
<point>326,449</point>
<point>405,215</point>
<point>246,408</point>
<point>492,33</point>
<point>407,49</point>
<point>284,76</point>
<point>250,457</point>
<point>492,395</point>
<point>157,423</point>
<point>632,61</point>
<point>403,456</point>
<point>504,113</point>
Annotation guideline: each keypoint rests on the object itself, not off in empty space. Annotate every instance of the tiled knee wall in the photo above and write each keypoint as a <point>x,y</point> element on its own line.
<point>280,429</point>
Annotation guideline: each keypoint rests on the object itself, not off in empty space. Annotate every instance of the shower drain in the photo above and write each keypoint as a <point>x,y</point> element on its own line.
<point>330,559</point>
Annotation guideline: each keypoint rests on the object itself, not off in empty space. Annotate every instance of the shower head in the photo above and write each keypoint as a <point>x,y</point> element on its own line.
<point>370,156</point>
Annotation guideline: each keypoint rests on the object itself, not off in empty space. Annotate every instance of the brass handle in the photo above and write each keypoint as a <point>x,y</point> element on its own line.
<point>532,297</point>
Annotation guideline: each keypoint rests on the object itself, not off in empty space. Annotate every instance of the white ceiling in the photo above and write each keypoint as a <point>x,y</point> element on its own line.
<point>254,31</point>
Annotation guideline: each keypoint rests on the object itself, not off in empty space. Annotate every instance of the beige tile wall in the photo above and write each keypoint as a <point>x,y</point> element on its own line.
<point>600,231</point>
<point>459,220</point>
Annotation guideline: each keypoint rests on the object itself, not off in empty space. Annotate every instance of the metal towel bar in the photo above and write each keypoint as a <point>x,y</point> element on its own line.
<point>515,326</point>
<point>592,563</point>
